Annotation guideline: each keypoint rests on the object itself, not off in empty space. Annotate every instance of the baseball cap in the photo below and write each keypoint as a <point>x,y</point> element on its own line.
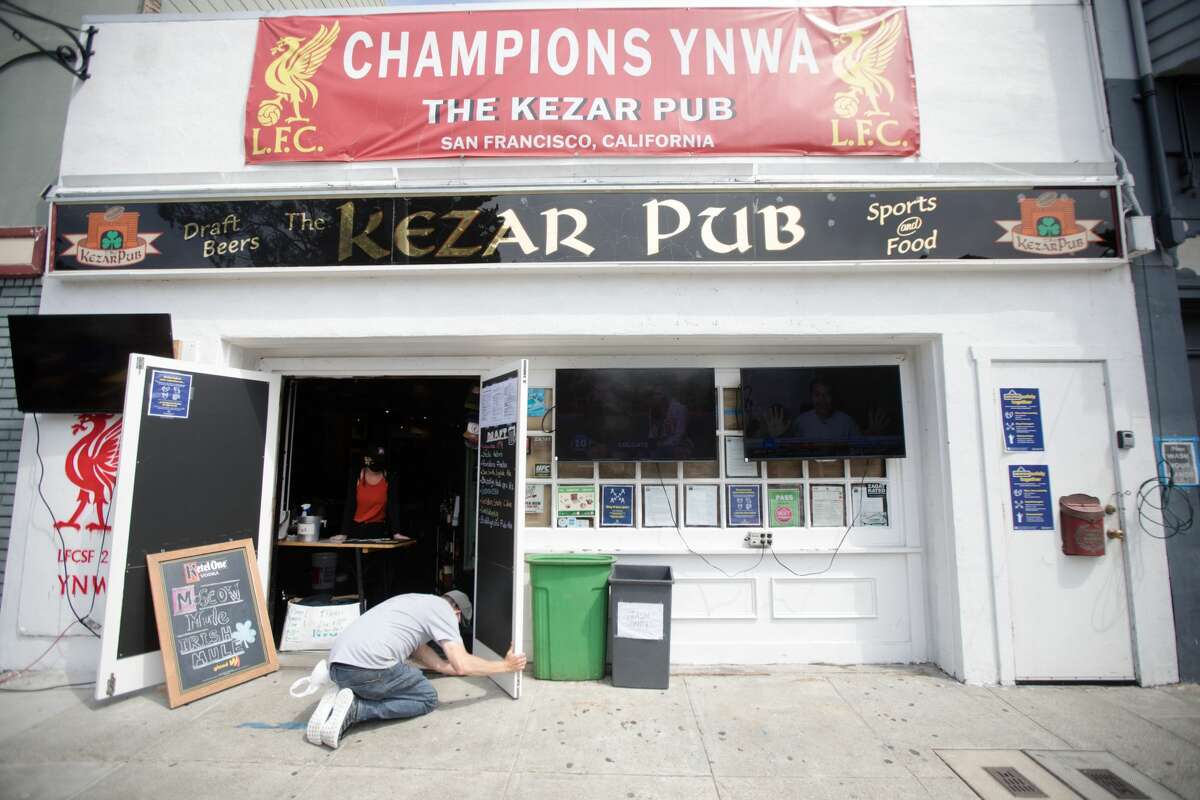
<point>460,599</point>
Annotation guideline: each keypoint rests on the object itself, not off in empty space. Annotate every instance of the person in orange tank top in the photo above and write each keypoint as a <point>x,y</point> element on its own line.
<point>372,508</point>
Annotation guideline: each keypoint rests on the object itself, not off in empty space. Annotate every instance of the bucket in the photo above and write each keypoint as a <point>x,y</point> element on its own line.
<point>309,528</point>
<point>324,571</point>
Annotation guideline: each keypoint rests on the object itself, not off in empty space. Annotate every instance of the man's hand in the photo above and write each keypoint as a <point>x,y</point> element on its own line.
<point>514,661</point>
<point>777,423</point>
<point>877,422</point>
<point>466,664</point>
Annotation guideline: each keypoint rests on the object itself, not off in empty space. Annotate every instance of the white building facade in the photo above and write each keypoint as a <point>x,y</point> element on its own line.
<point>1009,101</point>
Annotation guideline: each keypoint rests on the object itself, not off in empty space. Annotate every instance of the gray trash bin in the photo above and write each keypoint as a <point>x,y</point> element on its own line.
<point>639,625</point>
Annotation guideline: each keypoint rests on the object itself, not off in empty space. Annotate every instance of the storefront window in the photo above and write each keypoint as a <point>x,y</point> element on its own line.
<point>728,493</point>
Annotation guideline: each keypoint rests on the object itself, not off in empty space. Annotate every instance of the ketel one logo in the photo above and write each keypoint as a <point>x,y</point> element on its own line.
<point>862,63</point>
<point>290,76</point>
<point>1048,227</point>
<point>112,240</point>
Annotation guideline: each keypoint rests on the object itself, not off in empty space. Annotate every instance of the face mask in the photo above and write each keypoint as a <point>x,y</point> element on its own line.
<point>370,464</point>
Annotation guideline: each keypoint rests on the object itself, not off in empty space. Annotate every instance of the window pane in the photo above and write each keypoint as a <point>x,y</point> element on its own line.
<point>785,506</point>
<point>541,418</point>
<point>618,469</point>
<point>701,469</point>
<point>785,469</point>
<point>655,470</point>
<point>867,468</point>
<point>537,460</point>
<point>828,504</point>
<point>574,469</point>
<point>823,469</point>
<point>537,510</point>
<point>731,412</point>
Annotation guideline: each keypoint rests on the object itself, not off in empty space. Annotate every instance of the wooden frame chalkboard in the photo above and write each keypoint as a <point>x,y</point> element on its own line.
<point>212,619</point>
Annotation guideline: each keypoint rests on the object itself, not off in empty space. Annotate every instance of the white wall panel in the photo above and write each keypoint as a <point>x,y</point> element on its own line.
<point>714,598</point>
<point>824,598</point>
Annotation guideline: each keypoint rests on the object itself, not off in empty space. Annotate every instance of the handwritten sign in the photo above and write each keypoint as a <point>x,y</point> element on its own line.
<point>640,621</point>
<point>315,627</point>
<point>212,621</point>
<point>497,458</point>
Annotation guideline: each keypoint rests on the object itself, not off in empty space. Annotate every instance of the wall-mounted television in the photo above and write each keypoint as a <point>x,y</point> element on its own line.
<point>822,412</point>
<point>667,414</point>
<point>76,363</point>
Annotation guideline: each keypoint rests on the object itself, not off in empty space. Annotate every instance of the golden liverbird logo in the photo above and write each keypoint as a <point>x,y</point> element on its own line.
<point>863,60</point>
<point>290,74</point>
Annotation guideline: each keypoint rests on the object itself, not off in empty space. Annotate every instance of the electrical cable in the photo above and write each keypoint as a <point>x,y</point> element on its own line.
<point>18,673</point>
<point>1172,523</point>
<point>49,688</point>
<point>542,421</point>
<point>846,533</point>
<point>679,533</point>
<point>37,449</point>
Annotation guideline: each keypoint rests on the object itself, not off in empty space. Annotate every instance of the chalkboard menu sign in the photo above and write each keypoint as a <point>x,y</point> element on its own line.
<point>212,621</point>
<point>500,405</point>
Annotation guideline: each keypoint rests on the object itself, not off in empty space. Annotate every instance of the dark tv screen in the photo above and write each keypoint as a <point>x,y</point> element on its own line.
<point>822,412</point>
<point>667,414</point>
<point>75,363</point>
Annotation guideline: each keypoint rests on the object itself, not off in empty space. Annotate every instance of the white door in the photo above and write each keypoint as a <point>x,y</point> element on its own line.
<point>499,553</point>
<point>1070,614</point>
<point>197,468</point>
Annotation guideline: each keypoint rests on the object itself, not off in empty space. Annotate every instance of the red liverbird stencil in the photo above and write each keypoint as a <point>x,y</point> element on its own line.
<point>92,466</point>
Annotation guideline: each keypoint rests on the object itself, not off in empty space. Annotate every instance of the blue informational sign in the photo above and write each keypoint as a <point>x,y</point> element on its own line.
<point>170,394</point>
<point>616,506</point>
<point>1021,415</point>
<point>1029,489</point>
<point>744,505</point>
<point>537,403</point>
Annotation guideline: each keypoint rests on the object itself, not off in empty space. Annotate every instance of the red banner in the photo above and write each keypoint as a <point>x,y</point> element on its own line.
<point>587,82</point>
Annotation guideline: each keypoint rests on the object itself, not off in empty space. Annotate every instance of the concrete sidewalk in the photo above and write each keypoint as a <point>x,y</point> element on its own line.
<point>735,734</point>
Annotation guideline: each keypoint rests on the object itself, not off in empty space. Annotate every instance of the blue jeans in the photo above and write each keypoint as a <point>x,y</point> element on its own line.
<point>397,692</point>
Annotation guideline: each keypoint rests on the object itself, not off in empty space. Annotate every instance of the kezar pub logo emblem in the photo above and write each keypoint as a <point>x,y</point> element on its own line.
<point>290,76</point>
<point>1048,226</point>
<point>865,50</point>
<point>112,240</point>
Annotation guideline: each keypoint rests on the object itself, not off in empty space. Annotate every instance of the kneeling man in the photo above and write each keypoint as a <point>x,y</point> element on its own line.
<point>367,662</point>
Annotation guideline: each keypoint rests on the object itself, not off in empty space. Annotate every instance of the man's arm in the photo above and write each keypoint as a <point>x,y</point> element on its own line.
<point>427,658</point>
<point>463,663</point>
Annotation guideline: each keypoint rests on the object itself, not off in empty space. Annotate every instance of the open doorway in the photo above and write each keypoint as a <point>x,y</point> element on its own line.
<point>420,421</point>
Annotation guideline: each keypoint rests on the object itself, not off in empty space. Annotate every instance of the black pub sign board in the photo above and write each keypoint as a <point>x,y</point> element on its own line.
<point>627,227</point>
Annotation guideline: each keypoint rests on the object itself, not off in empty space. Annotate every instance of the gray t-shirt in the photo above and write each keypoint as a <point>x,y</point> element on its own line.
<point>391,631</point>
<point>837,427</point>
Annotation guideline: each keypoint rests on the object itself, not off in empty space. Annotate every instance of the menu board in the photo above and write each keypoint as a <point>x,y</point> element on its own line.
<point>497,459</point>
<point>501,448</point>
<point>212,621</point>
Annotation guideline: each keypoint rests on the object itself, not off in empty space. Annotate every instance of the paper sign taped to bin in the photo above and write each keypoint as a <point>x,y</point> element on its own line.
<point>640,621</point>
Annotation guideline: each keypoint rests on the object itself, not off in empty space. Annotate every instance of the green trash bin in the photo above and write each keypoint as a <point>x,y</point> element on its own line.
<point>570,614</point>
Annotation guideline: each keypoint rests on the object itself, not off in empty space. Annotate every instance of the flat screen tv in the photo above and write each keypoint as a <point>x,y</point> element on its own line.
<point>667,414</point>
<point>822,412</point>
<point>76,363</point>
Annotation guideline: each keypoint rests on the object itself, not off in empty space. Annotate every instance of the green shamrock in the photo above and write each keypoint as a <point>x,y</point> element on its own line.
<point>1049,226</point>
<point>112,240</point>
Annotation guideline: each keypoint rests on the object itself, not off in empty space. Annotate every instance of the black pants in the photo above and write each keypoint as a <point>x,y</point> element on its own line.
<point>378,566</point>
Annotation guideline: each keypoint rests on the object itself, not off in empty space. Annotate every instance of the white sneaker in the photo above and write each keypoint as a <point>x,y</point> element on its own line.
<point>340,718</point>
<point>319,715</point>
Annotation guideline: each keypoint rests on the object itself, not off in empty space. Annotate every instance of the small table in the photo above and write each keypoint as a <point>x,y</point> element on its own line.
<point>359,549</point>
